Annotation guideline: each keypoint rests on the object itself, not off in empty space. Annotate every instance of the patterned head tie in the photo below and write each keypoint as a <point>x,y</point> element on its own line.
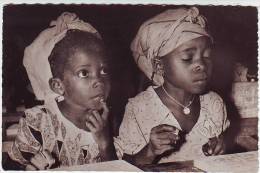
<point>36,55</point>
<point>162,34</point>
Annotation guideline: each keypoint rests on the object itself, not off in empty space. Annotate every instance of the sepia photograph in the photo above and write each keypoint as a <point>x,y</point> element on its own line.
<point>130,87</point>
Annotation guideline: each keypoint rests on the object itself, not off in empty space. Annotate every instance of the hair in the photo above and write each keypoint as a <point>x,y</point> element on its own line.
<point>73,41</point>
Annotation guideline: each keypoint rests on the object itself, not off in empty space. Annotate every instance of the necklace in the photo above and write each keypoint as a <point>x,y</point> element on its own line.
<point>186,109</point>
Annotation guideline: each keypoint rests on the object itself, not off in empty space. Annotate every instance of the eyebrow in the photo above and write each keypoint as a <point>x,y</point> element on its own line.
<point>79,67</point>
<point>189,49</point>
<point>85,65</point>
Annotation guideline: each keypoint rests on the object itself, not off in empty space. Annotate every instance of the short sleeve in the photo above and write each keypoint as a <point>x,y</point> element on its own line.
<point>131,139</point>
<point>216,121</point>
<point>219,112</point>
<point>27,141</point>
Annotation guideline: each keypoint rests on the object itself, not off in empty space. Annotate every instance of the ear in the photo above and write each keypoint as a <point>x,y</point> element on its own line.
<point>158,66</point>
<point>57,86</point>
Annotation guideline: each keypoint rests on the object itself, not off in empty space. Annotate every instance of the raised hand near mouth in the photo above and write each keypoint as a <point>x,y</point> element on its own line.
<point>99,126</point>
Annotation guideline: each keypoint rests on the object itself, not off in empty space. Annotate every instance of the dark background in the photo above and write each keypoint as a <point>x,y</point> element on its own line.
<point>234,29</point>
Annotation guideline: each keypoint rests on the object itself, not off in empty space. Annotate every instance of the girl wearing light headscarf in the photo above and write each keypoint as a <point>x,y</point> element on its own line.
<point>67,67</point>
<point>177,119</point>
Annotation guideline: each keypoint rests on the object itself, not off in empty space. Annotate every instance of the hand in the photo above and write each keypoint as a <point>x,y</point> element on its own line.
<point>215,146</point>
<point>99,126</point>
<point>163,138</point>
<point>41,161</point>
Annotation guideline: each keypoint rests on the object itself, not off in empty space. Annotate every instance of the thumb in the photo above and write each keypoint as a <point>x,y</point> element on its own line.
<point>105,110</point>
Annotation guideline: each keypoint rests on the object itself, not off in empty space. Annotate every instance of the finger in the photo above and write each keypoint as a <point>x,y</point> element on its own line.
<point>98,117</point>
<point>164,142</point>
<point>205,149</point>
<point>105,110</point>
<point>49,158</point>
<point>218,149</point>
<point>213,142</point>
<point>206,153</point>
<point>165,128</point>
<point>92,119</point>
<point>90,126</point>
<point>30,167</point>
<point>210,151</point>
<point>166,135</point>
<point>165,148</point>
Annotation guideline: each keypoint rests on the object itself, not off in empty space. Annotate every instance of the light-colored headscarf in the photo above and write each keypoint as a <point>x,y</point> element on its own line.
<point>36,55</point>
<point>162,34</point>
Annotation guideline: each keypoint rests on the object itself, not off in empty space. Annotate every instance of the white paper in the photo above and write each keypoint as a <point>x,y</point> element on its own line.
<point>117,165</point>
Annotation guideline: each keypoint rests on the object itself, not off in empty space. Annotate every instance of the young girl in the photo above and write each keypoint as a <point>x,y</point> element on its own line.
<point>67,67</point>
<point>178,119</point>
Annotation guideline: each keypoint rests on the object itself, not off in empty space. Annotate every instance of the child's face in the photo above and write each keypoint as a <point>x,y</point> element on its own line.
<point>86,80</point>
<point>189,66</point>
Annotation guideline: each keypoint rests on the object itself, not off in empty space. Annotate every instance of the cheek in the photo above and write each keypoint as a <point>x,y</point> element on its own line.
<point>77,90</point>
<point>209,68</point>
<point>107,86</point>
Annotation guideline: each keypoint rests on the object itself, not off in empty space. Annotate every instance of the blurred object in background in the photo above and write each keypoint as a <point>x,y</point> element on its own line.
<point>245,97</point>
<point>244,74</point>
<point>240,73</point>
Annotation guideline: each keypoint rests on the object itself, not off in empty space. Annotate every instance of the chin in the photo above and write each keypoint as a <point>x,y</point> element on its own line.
<point>200,90</point>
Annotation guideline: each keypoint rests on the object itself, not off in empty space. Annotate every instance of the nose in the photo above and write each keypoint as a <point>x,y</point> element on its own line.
<point>199,66</point>
<point>98,83</point>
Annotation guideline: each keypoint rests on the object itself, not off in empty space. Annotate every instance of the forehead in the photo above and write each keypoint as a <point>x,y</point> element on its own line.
<point>81,57</point>
<point>200,42</point>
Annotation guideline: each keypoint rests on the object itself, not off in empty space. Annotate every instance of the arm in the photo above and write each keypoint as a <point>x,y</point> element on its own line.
<point>27,150</point>
<point>100,128</point>
<point>163,138</point>
<point>218,145</point>
<point>133,144</point>
<point>24,146</point>
<point>107,151</point>
<point>145,156</point>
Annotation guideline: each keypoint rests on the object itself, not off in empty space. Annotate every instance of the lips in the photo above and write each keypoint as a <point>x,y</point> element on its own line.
<point>99,97</point>
<point>201,80</point>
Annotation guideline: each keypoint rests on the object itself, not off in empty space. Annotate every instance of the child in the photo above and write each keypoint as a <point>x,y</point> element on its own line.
<point>67,67</point>
<point>177,119</point>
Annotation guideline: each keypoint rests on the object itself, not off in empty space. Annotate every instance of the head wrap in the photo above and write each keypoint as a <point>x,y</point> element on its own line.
<point>162,34</point>
<point>36,55</point>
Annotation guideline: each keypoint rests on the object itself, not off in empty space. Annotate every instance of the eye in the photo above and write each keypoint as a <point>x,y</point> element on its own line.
<point>206,53</point>
<point>104,71</point>
<point>83,74</point>
<point>187,57</point>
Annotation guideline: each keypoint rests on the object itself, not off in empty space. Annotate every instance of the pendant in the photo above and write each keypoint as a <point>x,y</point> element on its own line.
<point>186,111</point>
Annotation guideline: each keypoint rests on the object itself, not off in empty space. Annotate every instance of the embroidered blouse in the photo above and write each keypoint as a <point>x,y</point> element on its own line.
<point>146,111</point>
<point>41,129</point>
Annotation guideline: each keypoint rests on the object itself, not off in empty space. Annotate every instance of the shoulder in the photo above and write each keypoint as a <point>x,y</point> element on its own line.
<point>211,99</point>
<point>144,101</point>
<point>143,97</point>
<point>33,116</point>
<point>146,104</point>
<point>213,103</point>
<point>211,95</point>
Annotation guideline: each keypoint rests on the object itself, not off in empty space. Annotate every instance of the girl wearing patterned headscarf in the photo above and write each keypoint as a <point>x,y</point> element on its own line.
<point>177,119</point>
<point>67,68</point>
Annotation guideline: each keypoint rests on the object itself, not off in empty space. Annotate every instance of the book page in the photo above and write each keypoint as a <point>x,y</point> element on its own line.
<point>240,162</point>
<point>117,165</point>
